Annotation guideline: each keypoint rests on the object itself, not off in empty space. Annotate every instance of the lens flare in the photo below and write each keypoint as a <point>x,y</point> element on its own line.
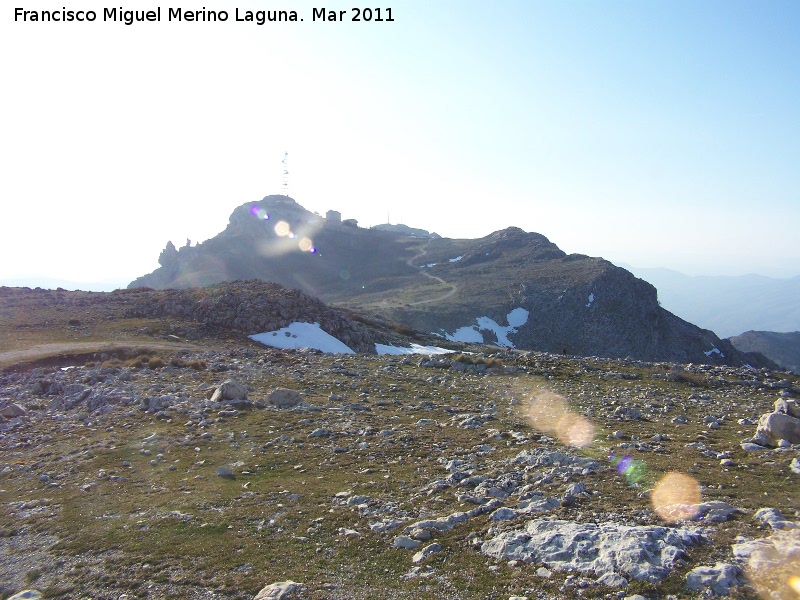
<point>676,497</point>
<point>794,583</point>
<point>773,566</point>
<point>575,430</point>
<point>259,212</point>
<point>545,410</point>
<point>632,470</point>
<point>550,413</point>
<point>282,228</point>
<point>306,245</point>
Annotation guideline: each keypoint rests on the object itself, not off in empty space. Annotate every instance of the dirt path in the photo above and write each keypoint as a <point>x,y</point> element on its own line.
<point>44,351</point>
<point>422,252</point>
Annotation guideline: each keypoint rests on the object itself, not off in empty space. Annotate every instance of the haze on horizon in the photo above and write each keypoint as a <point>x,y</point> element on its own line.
<point>656,135</point>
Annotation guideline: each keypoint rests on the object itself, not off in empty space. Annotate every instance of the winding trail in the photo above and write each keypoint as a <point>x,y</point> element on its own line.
<point>410,262</point>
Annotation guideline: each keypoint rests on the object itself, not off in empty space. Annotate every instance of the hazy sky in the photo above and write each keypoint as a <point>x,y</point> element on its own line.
<point>649,133</point>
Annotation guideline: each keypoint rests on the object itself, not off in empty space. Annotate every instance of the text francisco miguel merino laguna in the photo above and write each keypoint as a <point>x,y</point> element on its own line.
<point>259,17</point>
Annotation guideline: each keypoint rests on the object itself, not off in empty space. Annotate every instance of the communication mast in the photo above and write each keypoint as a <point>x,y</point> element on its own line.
<point>285,182</point>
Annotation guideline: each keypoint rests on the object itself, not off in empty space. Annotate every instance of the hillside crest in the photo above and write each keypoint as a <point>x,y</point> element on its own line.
<point>452,288</point>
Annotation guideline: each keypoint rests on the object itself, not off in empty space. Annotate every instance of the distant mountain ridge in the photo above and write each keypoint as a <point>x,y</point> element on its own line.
<point>782,348</point>
<point>728,305</point>
<point>574,303</point>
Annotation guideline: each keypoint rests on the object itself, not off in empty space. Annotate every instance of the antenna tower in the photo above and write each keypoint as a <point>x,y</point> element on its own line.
<point>285,182</point>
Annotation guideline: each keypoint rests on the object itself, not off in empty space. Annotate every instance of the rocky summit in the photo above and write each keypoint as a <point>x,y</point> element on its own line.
<point>151,449</point>
<point>512,288</point>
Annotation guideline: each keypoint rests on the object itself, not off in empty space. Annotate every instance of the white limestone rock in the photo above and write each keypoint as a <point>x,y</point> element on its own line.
<point>720,578</point>
<point>642,553</point>
<point>426,552</point>
<point>280,590</point>
<point>230,392</point>
<point>779,426</point>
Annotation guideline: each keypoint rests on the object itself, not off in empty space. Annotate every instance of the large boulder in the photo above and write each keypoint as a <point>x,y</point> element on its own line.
<point>230,392</point>
<point>284,398</point>
<point>779,426</point>
<point>788,407</point>
<point>280,590</point>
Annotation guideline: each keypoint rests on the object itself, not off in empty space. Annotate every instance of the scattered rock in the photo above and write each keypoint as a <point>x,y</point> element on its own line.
<point>612,580</point>
<point>720,578</point>
<point>12,410</point>
<point>426,552</point>
<point>27,595</point>
<point>774,518</point>
<point>405,542</point>
<point>280,591</point>
<point>715,511</point>
<point>231,392</point>
<point>225,473</point>
<point>284,398</point>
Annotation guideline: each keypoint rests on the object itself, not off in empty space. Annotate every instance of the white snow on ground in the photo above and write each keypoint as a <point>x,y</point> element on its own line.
<point>414,349</point>
<point>456,259</point>
<point>517,317</point>
<point>465,334</point>
<point>591,301</point>
<point>430,265</point>
<point>714,350</point>
<point>302,335</point>
<point>471,333</point>
<point>310,335</point>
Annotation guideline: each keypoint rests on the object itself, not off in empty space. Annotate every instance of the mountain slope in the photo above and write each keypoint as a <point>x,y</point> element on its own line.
<point>783,348</point>
<point>510,288</point>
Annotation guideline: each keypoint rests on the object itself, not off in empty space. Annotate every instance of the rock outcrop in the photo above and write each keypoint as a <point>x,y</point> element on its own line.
<point>249,307</point>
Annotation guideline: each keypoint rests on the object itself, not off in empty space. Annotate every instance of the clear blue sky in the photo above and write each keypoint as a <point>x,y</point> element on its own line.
<point>649,133</point>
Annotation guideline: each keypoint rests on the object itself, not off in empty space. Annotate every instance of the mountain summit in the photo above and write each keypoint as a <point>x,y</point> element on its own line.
<point>511,288</point>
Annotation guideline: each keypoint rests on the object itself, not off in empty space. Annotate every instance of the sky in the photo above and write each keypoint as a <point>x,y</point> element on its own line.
<point>654,134</point>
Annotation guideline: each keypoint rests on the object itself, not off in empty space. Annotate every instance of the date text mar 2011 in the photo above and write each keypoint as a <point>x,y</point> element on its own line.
<point>358,14</point>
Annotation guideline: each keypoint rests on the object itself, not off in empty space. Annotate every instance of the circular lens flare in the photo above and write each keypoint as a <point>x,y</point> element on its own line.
<point>676,497</point>
<point>306,245</point>
<point>575,430</point>
<point>549,412</point>
<point>794,583</point>
<point>282,228</point>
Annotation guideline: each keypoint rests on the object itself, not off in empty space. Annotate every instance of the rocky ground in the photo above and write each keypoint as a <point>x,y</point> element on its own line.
<point>221,469</point>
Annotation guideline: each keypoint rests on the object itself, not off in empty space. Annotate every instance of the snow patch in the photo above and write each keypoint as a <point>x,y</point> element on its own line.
<point>714,350</point>
<point>456,259</point>
<point>413,349</point>
<point>591,300</point>
<point>472,333</point>
<point>302,335</point>
<point>517,317</point>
